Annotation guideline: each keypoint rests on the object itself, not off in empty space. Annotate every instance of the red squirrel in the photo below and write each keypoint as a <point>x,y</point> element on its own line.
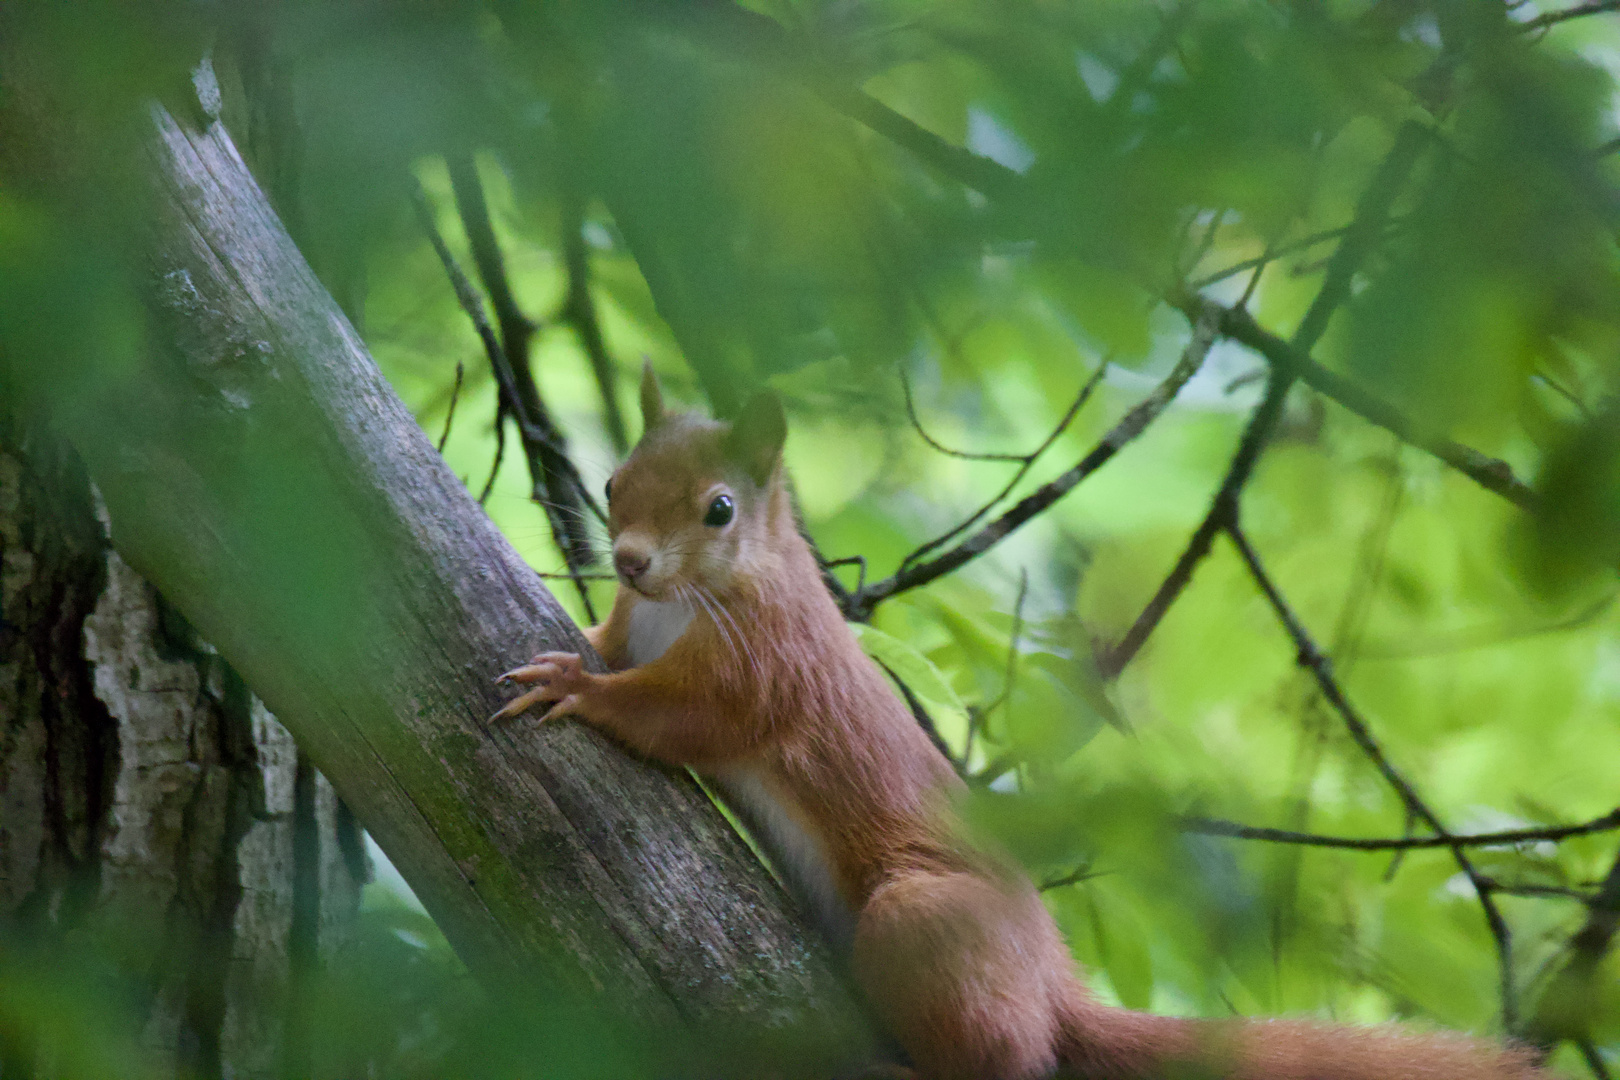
<point>728,656</point>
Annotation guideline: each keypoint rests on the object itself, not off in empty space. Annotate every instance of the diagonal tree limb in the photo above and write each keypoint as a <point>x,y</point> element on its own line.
<point>258,469</point>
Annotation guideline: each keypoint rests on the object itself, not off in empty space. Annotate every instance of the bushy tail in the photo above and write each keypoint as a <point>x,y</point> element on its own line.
<point>1102,1043</point>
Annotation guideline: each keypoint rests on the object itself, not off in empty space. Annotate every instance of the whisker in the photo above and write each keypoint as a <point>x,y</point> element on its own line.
<point>753,660</point>
<point>693,593</point>
<point>731,645</point>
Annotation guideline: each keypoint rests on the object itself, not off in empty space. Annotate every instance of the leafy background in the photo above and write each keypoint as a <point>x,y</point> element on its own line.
<point>982,209</point>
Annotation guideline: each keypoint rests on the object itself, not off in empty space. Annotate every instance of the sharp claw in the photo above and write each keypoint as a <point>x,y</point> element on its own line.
<point>520,704</point>
<point>529,673</point>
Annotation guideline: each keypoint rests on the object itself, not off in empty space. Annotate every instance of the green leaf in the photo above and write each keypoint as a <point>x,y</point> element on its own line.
<point>921,677</point>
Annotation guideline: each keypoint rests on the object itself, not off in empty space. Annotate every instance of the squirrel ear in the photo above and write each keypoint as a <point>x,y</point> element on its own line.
<point>652,398</point>
<point>756,436</point>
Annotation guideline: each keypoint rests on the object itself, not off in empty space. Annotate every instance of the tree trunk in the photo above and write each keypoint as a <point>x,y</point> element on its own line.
<point>258,469</point>
<point>146,798</point>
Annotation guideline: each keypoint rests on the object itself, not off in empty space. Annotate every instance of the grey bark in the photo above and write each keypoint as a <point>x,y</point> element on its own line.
<point>145,796</point>
<point>259,470</point>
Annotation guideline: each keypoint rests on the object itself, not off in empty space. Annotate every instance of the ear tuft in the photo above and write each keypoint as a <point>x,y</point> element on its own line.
<point>756,436</point>
<point>652,398</point>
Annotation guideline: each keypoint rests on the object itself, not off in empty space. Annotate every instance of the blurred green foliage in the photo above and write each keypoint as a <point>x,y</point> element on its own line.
<point>743,224</point>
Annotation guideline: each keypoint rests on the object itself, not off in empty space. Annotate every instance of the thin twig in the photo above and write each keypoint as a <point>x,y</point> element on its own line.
<point>975,718</point>
<point>1310,657</point>
<point>1559,892</point>
<point>515,327</point>
<point>924,721</point>
<point>557,480</point>
<point>1203,826</point>
<point>857,561</point>
<point>500,452</point>
<point>1083,872</point>
<point>1014,645</point>
<point>935,444</point>
<point>1487,637</point>
<point>450,410</point>
<point>1131,425</point>
<point>1206,243</point>
<point>1026,462</point>
<point>1304,243</point>
<point>1551,18</point>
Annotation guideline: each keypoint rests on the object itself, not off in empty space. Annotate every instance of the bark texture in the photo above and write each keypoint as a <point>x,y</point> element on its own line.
<point>146,798</point>
<point>258,469</point>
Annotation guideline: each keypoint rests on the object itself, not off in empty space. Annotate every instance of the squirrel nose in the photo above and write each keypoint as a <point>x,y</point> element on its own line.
<point>631,564</point>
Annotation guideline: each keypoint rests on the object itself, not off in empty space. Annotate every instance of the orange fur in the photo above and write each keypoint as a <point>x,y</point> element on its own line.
<point>768,691</point>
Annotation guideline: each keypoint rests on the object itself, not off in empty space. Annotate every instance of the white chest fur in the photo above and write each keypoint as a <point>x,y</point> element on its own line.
<point>798,856</point>
<point>654,627</point>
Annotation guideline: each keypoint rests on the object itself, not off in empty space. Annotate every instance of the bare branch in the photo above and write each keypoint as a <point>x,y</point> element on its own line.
<point>860,605</point>
<point>1203,826</point>
<point>515,327</point>
<point>1310,657</point>
<point>857,561</point>
<point>1489,473</point>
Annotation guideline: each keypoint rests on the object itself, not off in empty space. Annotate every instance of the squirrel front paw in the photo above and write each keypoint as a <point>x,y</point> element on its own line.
<point>558,677</point>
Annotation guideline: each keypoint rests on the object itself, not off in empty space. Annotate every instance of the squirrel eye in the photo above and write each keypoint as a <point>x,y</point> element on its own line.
<point>720,512</point>
<point>607,490</point>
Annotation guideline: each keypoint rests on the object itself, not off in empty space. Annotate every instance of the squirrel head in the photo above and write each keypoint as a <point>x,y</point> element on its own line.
<point>693,503</point>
